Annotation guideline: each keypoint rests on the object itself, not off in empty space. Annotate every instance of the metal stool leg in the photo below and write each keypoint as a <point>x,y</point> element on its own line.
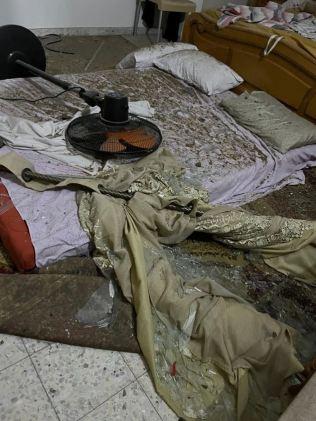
<point>136,18</point>
<point>159,25</point>
<point>181,27</point>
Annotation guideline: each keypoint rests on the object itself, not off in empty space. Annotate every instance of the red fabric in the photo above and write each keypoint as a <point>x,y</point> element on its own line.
<point>14,234</point>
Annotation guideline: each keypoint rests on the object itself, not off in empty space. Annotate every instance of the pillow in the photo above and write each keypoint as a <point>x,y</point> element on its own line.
<point>144,57</point>
<point>201,70</point>
<point>272,121</point>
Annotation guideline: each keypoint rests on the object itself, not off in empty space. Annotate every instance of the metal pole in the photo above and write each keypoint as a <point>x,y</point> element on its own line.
<point>47,76</point>
<point>136,19</point>
<point>92,98</point>
<point>159,25</point>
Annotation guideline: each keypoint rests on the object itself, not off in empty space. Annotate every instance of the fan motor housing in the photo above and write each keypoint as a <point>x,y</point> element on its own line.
<point>114,109</point>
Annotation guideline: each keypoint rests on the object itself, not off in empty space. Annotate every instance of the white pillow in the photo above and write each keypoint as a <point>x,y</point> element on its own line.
<point>201,70</point>
<point>144,57</point>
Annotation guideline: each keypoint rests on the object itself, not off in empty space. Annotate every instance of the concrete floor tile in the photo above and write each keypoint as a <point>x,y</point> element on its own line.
<point>161,407</point>
<point>140,41</point>
<point>22,396</point>
<point>79,379</point>
<point>90,53</point>
<point>135,362</point>
<point>130,403</point>
<point>11,350</point>
<point>114,48</point>
<point>33,345</point>
<point>82,47</point>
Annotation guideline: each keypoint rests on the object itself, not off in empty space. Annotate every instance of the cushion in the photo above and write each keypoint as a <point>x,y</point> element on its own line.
<point>144,57</point>
<point>265,116</point>
<point>14,234</point>
<point>200,70</point>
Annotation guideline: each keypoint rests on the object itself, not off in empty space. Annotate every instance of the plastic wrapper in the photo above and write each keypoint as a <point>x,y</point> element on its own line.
<point>99,310</point>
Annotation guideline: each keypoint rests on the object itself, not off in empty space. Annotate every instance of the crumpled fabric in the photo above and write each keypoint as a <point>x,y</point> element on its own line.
<point>281,241</point>
<point>211,354</point>
<point>287,245</point>
<point>254,351</point>
<point>271,15</point>
<point>47,138</point>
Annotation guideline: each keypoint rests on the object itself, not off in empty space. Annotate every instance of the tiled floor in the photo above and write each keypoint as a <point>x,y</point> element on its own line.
<point>41,381</point>
<point>91,54</point>
<point>48,381</point>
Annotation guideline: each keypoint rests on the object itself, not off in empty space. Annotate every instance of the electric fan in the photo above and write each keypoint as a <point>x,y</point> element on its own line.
<point>112,132</point>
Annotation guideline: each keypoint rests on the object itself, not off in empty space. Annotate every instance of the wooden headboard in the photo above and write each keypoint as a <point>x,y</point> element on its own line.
<point>288,73</point>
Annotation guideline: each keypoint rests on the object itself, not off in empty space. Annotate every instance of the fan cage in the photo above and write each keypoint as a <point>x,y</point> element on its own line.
<point>92,135</point>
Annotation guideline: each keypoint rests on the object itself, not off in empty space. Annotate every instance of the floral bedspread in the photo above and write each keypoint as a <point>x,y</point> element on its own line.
<point>235,166</point>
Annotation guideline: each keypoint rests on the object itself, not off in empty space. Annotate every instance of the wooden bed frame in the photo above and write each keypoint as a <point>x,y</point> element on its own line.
<point>288,73</point>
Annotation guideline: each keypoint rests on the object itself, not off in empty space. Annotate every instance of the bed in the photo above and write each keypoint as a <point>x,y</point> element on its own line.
<point>233,165</point>
<point>287,73</point>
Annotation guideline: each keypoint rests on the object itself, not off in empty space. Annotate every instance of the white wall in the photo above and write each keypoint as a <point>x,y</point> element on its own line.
<point>69,13</point>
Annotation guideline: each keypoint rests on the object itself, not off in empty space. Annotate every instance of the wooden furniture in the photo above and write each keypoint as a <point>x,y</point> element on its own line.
<point>288,72</point>
<point>184,6</point>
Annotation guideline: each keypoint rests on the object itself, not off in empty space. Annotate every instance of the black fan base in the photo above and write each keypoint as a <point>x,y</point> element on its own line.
<point>17,42</point>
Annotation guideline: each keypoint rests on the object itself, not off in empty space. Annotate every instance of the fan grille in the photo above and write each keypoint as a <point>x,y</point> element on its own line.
<point>92,135</point>
<point>119,141</point>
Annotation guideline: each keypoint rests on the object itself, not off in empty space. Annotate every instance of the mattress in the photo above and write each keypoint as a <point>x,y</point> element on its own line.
<point>235,166</point>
